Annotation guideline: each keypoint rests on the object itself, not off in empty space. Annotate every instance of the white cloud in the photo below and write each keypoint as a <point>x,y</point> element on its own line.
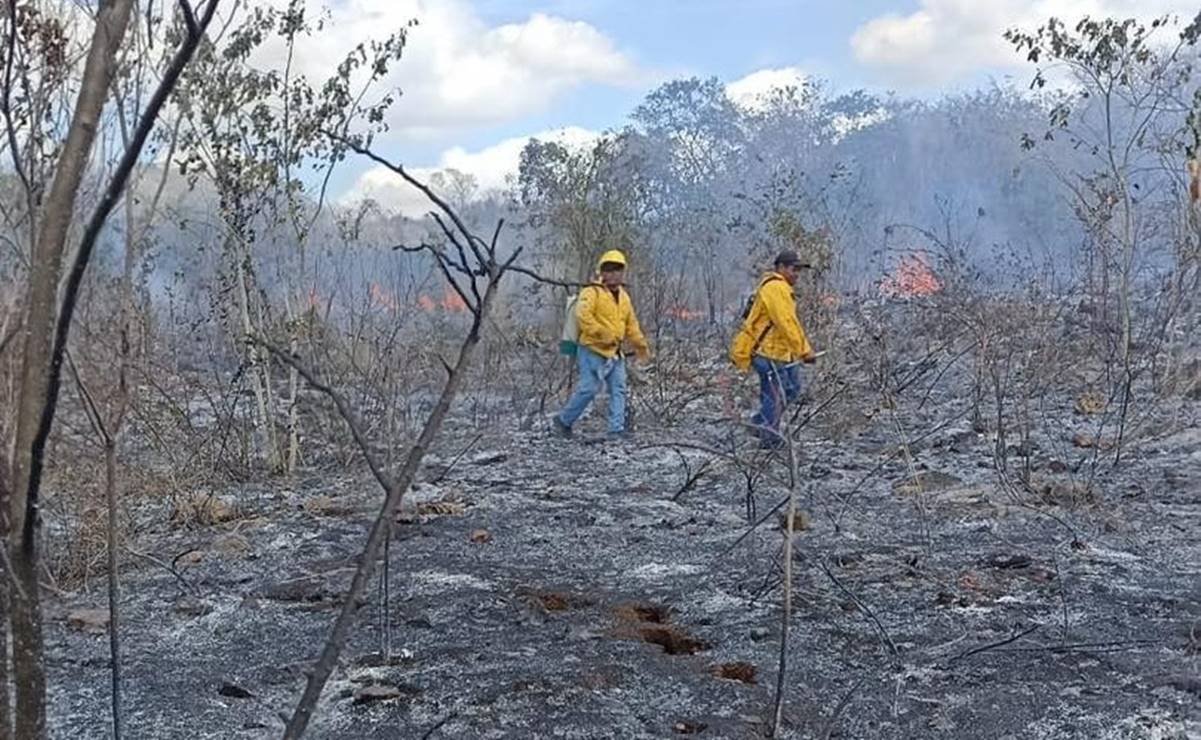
<point>387,189</point>
<point>945,40</point>
<point>754,94</point>
<point>457,71</point>
<point>492,165</point>
<point>751,92</point>
<point>492,169</point>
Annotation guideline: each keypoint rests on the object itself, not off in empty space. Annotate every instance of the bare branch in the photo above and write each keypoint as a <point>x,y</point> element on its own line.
<point>1000,643</point>
<point>438,725</point>
<point>832,724</point>
<point>500,223</point>
<point>471,274</point>
<point>91,410</point>
<point>434,198</point>
<point>786,612</point>
<point>884,636</point>
<point>112,194</point>
<point>549,281</point>
<point>438,253</point>
<point>395,489</point>
<point>344,410</point>
<point>6,105</point>
<point>455,461</point>
<point>455,241</point>
<point>189,16</point>
<point>169,567</point>
<point>508,265</point>
<point>444,264</point>
<point>472,305</point>
<point>381,529</point>
<point>9,335</point>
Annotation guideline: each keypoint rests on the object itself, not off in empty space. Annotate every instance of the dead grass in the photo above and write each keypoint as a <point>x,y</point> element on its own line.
<point>202,510</point>
<point>552,602</point>
<point>650,623</point>
<point>1063,492</point>
<point>640,612</point>
<point>326,506</point>
<point>737,671</point>
<point>673,640</point>
<point>76,540</point>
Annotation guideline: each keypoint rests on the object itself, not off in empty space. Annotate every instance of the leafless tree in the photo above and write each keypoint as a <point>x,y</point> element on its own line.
<point>473,269</point>
<point>47,324</point>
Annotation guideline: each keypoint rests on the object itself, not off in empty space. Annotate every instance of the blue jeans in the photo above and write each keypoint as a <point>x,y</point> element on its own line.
<point>596,371</point>
<point>779,385</point>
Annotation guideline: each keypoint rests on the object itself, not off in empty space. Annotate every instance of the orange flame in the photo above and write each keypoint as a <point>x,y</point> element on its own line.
<point>913,278</point>
<point>684,314</point>
<point>381,298</point>
<point>450,302</point>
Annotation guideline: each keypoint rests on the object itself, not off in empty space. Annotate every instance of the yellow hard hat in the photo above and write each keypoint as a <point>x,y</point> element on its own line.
<point>613,255</point>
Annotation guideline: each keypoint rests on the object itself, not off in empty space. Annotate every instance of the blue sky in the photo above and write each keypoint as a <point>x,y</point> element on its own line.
<point>720,37</point>
<point>481,76</point>
<point>683,38</point>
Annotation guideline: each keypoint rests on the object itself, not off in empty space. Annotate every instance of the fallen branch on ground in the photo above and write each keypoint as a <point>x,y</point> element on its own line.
<point>994,645</point>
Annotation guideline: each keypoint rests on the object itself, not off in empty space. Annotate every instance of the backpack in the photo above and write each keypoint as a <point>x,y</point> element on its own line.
<point>750,299</point>
<point>747,305</point>
<point>569,341</point>
<point>744,345</point>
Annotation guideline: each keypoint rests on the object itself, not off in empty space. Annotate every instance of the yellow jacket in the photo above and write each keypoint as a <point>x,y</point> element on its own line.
<point>607,321</point>
<point>771,330</point>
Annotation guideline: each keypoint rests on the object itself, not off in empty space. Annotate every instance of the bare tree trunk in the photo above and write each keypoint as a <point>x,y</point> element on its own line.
<point>41,318</point>
<point>47,327</point>
<point>111,440</point>
<point>293,454</point>
<point>260,381</point>
<point>114,582</point>
<point>712,280</point>
<point>275,454</point>
<point>5,581</point>
<point>480,306</point>
<point>382,525</point>
<point>293,416</point>
<point>132,335</point>
<point>1128,255</point>
<point>789,537</point>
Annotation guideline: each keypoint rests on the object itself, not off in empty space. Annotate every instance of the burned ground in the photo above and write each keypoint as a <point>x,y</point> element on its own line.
<point>541,587</point>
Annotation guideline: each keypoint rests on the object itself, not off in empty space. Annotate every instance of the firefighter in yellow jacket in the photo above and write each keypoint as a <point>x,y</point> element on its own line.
<point>606,322</point>
<point>773,342</point>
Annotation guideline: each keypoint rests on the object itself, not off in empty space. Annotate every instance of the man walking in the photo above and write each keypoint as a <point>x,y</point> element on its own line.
<point>772,341</point>
<point>606,321</point>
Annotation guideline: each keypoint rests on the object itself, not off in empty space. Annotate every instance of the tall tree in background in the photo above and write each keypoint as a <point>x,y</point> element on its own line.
<point>1129,112</point>
<point>257,137</point>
